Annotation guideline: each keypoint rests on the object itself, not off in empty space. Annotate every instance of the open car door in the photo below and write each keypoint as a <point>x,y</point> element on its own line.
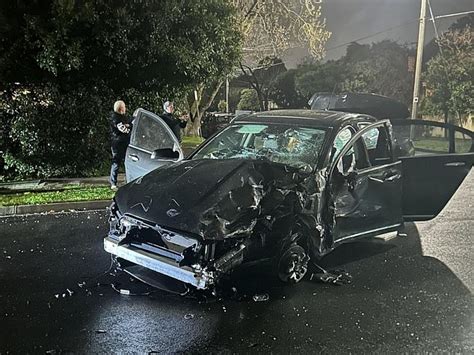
<point>365,183</point>
<point>436,157</point>
<point>152,144</point>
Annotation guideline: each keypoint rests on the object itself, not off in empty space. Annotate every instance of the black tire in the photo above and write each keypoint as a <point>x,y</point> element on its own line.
<point>293,264</point>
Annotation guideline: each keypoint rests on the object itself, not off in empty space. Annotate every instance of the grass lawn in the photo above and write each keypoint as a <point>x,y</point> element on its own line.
<point>432,144</point>
<point>72,193</point>
<point>441,145</point>
<point>191,141</point>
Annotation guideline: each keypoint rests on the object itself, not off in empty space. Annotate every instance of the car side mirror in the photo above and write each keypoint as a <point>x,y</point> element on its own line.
<point>165,153</point>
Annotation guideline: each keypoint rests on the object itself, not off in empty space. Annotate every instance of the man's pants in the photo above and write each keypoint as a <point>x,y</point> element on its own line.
<point>118,156</point>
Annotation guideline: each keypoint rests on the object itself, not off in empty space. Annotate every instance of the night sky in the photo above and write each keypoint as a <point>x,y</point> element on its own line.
<point>349,20</point>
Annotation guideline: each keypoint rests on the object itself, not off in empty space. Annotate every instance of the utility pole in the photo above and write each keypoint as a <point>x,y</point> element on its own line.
<point>227,94</point>
<point>419,60</point>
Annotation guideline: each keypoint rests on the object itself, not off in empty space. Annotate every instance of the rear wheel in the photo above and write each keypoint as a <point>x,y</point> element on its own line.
<point>293,264</point>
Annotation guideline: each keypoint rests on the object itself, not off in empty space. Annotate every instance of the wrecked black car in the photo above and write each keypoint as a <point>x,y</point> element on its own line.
<point>378,106</point>
<point>282,186</point>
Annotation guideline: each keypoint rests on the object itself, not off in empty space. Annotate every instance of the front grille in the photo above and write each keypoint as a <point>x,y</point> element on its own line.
<point>154,239</point>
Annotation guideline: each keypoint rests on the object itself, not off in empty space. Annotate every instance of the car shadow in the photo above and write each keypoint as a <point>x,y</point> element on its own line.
<point>398,301</point>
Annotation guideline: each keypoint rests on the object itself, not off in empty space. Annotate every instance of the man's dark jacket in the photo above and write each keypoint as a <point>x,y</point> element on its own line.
<point>116,136</point>
<point>174,123</point>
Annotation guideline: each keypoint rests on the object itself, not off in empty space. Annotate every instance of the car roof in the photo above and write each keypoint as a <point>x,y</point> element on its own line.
<point>370,104</point>
<point>316,118</point>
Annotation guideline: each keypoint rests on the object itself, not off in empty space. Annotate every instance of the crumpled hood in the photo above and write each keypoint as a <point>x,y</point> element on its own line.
<point>211,198</point>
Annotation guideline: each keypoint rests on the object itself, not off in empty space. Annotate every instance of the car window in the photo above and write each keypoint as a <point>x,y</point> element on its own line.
<point>150,134</point>
<point>355,159</point>
<point>463,142</point>
<point>377,143</point>
<point>370,138</point>
<point>296,146</point>
<point>421,140</point>
<point>341,140</point>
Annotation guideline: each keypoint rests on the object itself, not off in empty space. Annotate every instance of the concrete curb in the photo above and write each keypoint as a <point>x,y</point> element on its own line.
<point>55,183</point>
<point>54,207</point>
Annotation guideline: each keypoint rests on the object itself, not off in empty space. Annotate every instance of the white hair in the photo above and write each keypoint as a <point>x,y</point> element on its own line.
<point>117,105</point>
<point>166,105</point>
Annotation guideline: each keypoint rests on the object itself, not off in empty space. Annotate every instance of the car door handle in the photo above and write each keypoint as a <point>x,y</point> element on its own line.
<point>392,177</point>
<point>455,164</point>
<point>375,179</point>
<point>389,178</point>
<point>134,157</point>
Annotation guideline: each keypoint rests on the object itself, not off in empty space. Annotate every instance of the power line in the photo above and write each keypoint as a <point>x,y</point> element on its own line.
<point>374,34</point>
<point>398,26</point>
<point>454,14</point>
<point>433,19</point>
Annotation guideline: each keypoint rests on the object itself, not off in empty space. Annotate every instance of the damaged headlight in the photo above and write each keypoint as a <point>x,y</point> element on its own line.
<point>114,211</point>
<point>115,222</point>
<point>125,223</point>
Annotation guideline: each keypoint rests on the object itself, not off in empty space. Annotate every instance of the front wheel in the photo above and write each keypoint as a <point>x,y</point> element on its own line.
<point>293,264</point>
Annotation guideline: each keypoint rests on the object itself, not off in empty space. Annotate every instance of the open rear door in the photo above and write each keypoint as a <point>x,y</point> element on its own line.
<point>436,157</point>
<point>149,134</point>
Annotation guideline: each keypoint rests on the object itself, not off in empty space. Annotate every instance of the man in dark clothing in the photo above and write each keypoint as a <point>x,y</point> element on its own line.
<point>174,123</point>
<point>120,127</point>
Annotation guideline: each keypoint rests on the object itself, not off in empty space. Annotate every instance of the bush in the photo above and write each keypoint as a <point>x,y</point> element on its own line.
<point>222,106</point>
<point>51,133</point>
<point>248,100</point>
<point>75,58</point>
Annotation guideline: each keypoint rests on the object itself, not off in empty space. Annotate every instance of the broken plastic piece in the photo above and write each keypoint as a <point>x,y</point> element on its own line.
<point>335,277</point>
<point>100,331</point>
<point>261,298</point>
<point>124,292</point>
<point>189,316</point>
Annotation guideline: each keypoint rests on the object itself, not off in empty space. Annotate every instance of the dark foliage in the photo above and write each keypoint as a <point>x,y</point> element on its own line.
<point>64,63</point>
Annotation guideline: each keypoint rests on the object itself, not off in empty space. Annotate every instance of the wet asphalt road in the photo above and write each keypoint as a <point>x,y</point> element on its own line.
<point>399,300</point>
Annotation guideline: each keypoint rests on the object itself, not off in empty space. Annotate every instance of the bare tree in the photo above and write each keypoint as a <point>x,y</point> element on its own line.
<point>271,27</point>
<point>199,101</point>
<point>268,29</point>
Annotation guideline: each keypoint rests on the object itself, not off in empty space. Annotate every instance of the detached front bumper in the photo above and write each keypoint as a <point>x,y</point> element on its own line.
<point>193,275</point>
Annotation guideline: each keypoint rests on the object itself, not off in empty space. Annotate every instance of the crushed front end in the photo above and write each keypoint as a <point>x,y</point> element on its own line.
<point>197,221</point>
<point>188,259</point>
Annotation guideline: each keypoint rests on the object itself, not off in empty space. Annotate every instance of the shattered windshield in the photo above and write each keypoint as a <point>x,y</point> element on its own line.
<point>295,146</point>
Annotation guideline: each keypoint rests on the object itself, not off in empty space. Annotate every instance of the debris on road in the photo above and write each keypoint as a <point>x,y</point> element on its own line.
<point>335,277</point>
<point>261,298</point>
